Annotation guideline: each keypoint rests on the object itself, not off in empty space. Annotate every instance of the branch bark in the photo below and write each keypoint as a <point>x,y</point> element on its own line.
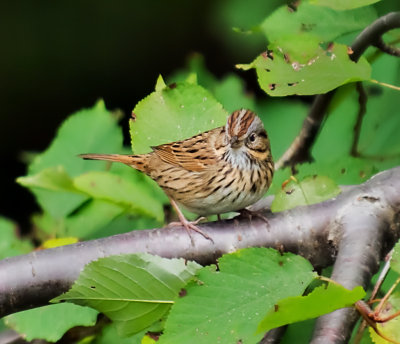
<point>356,229</point>
<point>299,150</point>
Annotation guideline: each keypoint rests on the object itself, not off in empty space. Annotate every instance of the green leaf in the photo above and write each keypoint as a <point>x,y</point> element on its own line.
<point>91,218</point>
<point>100,218</point>
<point>10,244</point>
<point>174,113</point>
<point>327,69</point>
<point>395,261</point>
<point>124,221</point>
<point>51,178</point>
<point>54,190</point>
<point>310,190</point>
<point>89,130</point>
<point>110,335</point>
<point>322,300</point>
<point>310,22</point>
<point>343,171</point>
<point>378,146</point>
<point>342,5</point>
<point>51,322</point>
<point>120,190</point>
<point>299,332</point>
<point>226,305</point>
<point>132,290</point>
<point>380,127</point>
<point>283,119</point>
<point>195,65</point>
<point>230,92</point>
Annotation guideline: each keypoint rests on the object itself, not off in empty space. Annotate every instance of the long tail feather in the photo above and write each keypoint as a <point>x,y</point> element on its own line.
<point>136,161</point>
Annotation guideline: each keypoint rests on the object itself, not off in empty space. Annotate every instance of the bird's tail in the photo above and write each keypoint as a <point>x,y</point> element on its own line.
<point>138,162</point>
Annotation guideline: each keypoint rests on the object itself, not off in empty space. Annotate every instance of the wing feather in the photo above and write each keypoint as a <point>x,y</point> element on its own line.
<point>193,154</point>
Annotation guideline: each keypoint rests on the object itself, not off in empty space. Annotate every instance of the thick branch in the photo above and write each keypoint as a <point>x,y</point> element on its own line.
<point>360,251</point>
<point>299,150</point>
<point>316,232</point>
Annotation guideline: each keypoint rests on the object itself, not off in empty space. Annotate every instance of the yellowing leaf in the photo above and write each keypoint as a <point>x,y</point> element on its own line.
<point>310,190</point>
<point>51,243</point>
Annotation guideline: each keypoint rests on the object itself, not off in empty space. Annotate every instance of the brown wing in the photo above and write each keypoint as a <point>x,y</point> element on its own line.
<point>193,154</point>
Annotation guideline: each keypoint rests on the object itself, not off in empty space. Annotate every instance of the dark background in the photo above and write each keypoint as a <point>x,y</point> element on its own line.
<point>59,56</point>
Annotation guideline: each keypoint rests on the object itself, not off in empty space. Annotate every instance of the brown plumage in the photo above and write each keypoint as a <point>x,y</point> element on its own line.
<point>220,170</point>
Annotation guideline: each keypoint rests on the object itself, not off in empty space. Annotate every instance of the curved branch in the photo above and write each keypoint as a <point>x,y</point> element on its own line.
<point>299,150</point>
<point>387,48</point>
<point>318,232</point>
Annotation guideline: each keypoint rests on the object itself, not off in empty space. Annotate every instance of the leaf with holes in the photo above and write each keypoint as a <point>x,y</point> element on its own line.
<point>226,305</point>
<point>310,190</point>
<point>281,74</point>
<point>342,5</point>
<point>132,290</point>
<point>309,22</point>
<point>51,322</point>
<point>174,113</point>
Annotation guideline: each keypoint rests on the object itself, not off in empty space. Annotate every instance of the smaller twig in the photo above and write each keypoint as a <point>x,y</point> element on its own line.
<point>387,48</point>
<point>371,317</point>
<point>367,315</point>
<point>378,309</point>
<point>378,284</point>
<point>362,110</point>
<point>382,276</point>
<point>397,88</point>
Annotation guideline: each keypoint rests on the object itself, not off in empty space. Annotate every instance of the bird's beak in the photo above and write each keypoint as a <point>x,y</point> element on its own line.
<point>234,142</point>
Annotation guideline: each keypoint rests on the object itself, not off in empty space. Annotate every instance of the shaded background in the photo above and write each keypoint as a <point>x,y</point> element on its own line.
<point>59,56</point>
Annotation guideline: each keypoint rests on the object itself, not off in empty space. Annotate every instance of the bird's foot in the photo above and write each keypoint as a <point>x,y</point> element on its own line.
<point>191,225</point>
<point>246,213</point>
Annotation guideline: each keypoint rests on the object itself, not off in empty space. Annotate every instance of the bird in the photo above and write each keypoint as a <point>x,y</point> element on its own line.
<point>217,171</point>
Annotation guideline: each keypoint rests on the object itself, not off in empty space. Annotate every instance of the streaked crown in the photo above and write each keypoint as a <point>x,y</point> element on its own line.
<point>245,129</point>
<point>240,122</point>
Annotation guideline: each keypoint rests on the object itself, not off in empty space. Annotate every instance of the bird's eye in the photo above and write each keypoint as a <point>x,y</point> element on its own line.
<point>252,137</point>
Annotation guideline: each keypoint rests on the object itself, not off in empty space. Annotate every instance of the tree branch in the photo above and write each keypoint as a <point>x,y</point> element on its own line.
<point>362,110</point>
<point>387,48</point>
<point>299,150</point>
<point>357,228</point>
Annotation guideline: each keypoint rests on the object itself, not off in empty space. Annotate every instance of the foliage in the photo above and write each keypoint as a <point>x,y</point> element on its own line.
<point>51,322</point>
<point>132,290</point>
<point>181,110</point>
<point>10,244</point>
<point>310,190</point>
<point>136,291</point>
<point>387,308</point>
<point>307,54</point>
<point>322,300</point>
